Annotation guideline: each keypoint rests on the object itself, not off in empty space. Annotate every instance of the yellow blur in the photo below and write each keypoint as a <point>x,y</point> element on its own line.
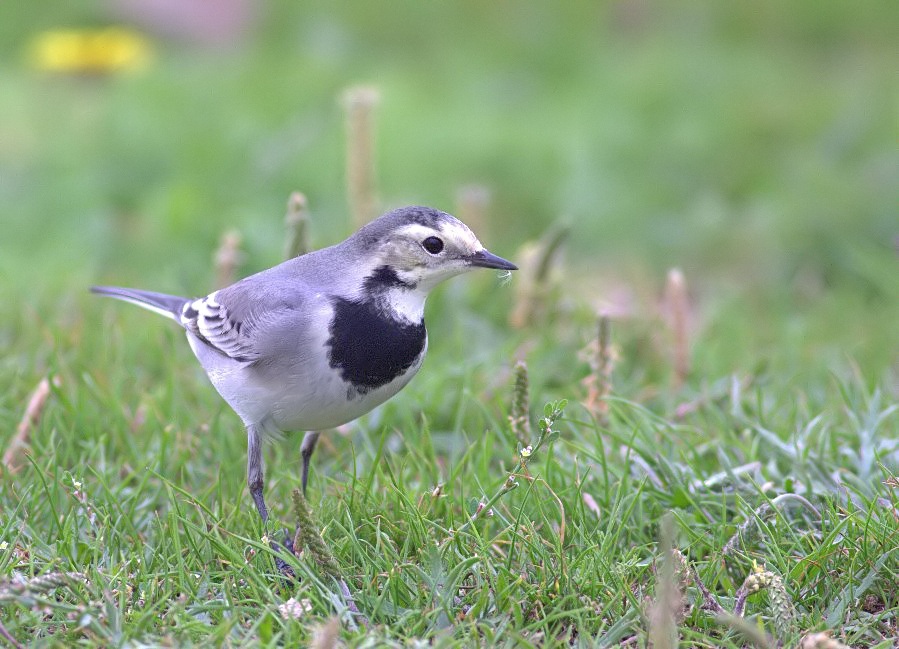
<point>90,50</point>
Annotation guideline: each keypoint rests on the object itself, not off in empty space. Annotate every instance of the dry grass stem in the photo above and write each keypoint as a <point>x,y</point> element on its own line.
<point>360,102</point>
<point>669,599</point>
<point>327,635</point>
<point>709,601</point>
<point>228,258</point>
<point>677,308</point>
<point>601,358</point>
<point>540,268</point>
<point>8,637</point>
<point>605,363</point>
<point>472,207</point>
<point>296,222</point>
<point>526,290</point>
<point>351,604</point>
<point>15,451</point>
<point>11,640</point>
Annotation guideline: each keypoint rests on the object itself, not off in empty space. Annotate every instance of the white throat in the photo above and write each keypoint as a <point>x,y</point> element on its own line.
<point>407,305</point>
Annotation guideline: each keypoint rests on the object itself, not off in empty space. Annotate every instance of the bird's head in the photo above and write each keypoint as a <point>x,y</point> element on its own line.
<point>419,247</point>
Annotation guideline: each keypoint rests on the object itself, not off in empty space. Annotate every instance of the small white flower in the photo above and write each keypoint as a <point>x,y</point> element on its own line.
<point>293,609</point>
<point>527,450</point>
<point>3,545</point>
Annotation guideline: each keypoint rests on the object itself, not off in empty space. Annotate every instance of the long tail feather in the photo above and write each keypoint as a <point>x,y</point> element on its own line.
<point>168,305</point>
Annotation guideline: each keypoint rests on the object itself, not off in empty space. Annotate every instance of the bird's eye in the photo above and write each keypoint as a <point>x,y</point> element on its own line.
<point>433,245</point>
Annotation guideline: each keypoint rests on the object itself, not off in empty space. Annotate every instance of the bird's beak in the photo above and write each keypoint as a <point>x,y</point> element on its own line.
<point>486,259</point>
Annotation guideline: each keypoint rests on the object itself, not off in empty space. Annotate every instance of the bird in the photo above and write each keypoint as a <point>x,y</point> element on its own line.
<point>323,338</point>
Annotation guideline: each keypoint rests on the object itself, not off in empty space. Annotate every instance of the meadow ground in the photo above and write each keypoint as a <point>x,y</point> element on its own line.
<point>751,428</point>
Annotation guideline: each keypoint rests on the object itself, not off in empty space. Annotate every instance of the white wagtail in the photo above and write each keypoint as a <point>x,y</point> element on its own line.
<point>323,338</point>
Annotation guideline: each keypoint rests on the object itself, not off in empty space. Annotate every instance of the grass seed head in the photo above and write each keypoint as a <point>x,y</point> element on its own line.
<point>519,418</point>
<point>228,258</point>
<point>309,537</point>
<point>359,103</point>
<point>296,222</point>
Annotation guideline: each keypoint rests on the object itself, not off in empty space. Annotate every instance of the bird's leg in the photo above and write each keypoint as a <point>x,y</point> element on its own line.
<point>306,450</point>
<point>255,469</point>
<point>256,482</point>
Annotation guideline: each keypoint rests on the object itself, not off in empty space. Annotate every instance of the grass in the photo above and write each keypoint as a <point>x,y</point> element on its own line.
<point>752,149</point>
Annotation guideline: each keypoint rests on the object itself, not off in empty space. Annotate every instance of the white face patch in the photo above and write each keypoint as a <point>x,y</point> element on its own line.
<point>403,253</point>
<point>455,235</point>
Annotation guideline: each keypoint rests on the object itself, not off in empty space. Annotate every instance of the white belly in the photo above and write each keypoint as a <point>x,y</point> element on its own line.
<point>306,396</point>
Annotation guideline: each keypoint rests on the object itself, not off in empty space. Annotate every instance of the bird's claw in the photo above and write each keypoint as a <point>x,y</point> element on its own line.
<point>282,565</point>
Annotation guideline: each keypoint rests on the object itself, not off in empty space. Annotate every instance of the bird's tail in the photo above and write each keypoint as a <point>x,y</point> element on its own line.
<point>168,305</point>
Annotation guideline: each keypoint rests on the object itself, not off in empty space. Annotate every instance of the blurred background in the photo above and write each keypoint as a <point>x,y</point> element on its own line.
<point>752,145</point>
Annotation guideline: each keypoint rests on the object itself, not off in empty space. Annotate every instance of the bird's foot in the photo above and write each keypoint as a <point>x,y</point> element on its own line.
<point>288,542</point>
<point>280,550</point>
